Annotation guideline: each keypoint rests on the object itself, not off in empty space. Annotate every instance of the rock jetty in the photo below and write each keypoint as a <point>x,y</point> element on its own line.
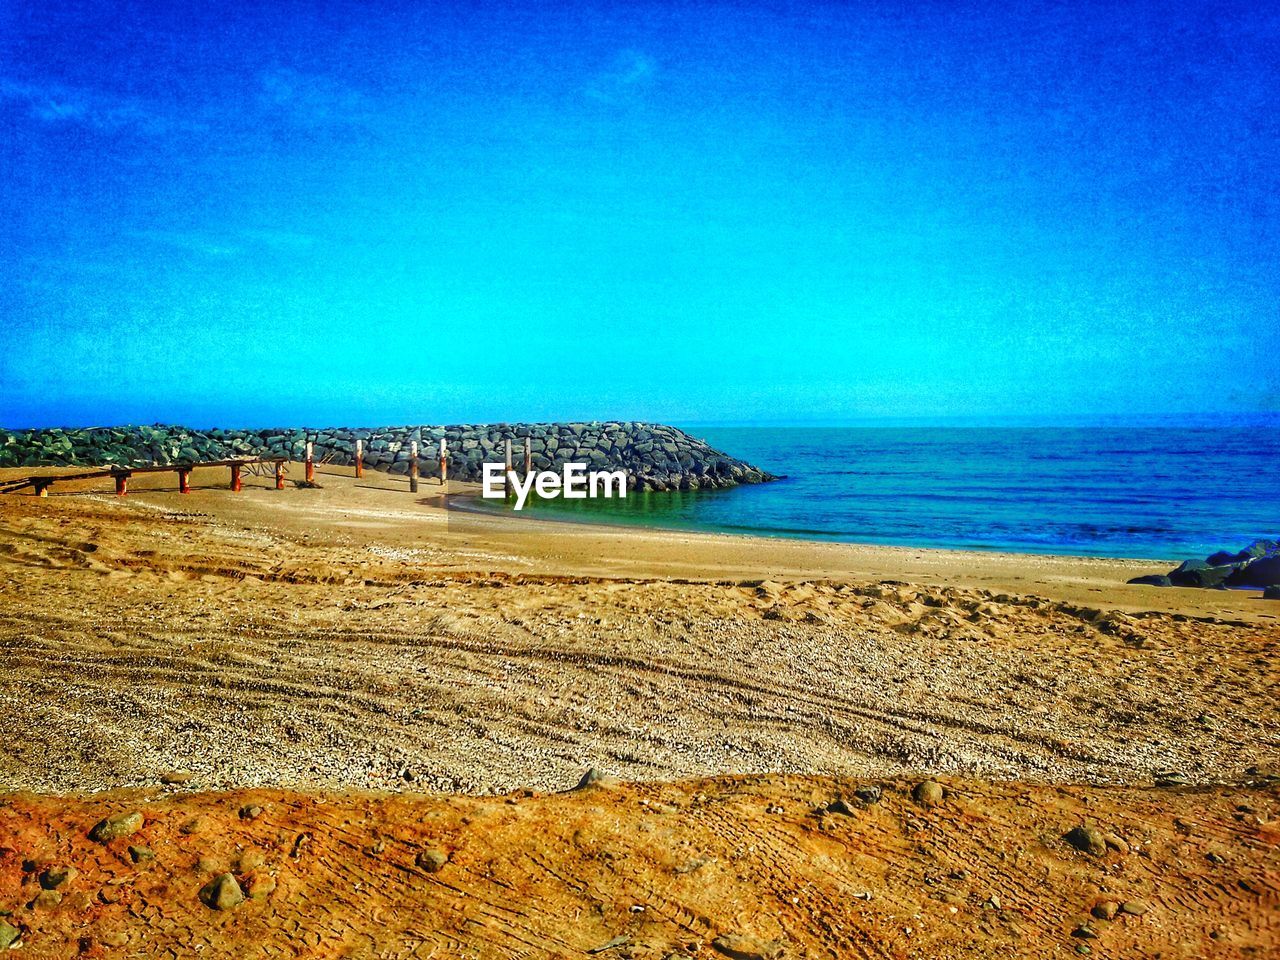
<point>1257,566</point>
<point>654,456</point>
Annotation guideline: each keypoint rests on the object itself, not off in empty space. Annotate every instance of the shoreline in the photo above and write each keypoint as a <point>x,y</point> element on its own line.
<point>471,503</point>
<point>381,510</point>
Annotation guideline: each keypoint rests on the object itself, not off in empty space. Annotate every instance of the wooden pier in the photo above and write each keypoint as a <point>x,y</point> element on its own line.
<point>41,484</point>
<point>121,475</point>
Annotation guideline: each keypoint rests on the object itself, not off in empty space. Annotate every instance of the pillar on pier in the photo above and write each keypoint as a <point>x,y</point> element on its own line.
<point>359,458</point>
<point>413,466</point>
<point>122,482</point>
<point>184,479</point>
<point>236,484</point>
<point>311,464</point>
<point>444,463</point>
<point>279,474</point>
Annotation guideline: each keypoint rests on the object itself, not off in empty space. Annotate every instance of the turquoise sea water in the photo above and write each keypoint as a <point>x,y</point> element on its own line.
<point>1156,493</point>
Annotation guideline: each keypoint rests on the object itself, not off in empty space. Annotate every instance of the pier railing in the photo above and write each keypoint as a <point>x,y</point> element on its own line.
<point>121,474</point>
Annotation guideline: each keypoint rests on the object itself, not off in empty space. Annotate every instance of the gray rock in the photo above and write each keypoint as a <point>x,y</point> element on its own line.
<point>740,946</point>
<point>1087,839</point>
<point>9,934</point>
<point>432,859</point>
<point>222,892</point>
<point>55,877</point>
<point>595,777</point>
<point>116,826</point>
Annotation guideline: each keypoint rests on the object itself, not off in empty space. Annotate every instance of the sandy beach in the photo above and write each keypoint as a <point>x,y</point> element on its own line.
<point>332,648</point>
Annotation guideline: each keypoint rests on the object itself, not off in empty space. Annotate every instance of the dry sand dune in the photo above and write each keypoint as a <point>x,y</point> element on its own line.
<point>358,638</point>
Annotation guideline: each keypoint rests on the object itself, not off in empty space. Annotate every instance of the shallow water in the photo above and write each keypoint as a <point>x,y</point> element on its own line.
<point>1106,492</point>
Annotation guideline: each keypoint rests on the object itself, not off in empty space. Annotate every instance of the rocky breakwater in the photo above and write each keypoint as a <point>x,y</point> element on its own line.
<point>1257,566</point>
<point>653,456</point>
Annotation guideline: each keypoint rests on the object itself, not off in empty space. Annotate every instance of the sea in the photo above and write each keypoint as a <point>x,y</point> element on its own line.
<point>1159,493</point>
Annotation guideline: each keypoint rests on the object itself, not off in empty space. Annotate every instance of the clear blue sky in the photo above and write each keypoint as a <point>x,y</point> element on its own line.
<point>261,213</point>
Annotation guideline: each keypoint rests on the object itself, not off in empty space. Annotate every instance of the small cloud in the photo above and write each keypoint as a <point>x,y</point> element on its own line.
<point>189,242</point>
<point>225,248</point>
<point>282,240</point>
<point>57,104</point>
<point>310,99</point>
<point>630,72</point>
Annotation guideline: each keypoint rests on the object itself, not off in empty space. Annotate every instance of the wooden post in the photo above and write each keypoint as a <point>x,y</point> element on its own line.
<point>311,464</point>
<point>444,463</point>
<point>42,489</point>
<point>359,458</point>
<point>236,485</point>
<point>528,457</point>
<point>506,475</point>
<point>413,466</point>
<point>184,479</point>
<point>122,483</point>
<point>279,474</point>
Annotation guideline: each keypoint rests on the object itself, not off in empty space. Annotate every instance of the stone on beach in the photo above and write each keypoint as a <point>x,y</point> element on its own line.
<point>432,859</point>
<point>222,892</point>
<point>927,793</point>
<point>116,826</point>
<point>55,877</point>
<point>740,946</point>
<point>1087,839</point>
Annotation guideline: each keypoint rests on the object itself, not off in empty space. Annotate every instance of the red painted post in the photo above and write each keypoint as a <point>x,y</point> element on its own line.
<point>506,476</point>
<point>444,463</point>
<point>413,466</point>
<point>311,464</point>
<point>122,483</point>
<point>359,459</point>
<point>236,485</point>
<point>279,474</point>
<point>184,480</point>
<point>528,457</point>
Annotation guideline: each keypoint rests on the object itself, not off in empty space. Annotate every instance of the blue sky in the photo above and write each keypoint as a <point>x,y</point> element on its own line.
<point>249,214</point>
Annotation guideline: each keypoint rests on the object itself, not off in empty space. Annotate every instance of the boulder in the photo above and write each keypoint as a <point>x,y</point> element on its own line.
<point>1153,580</point>
<point>1203,576</point>
<point>1264,572</point>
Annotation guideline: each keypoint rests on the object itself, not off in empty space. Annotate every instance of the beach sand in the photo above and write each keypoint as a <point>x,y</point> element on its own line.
<point>331,642</point>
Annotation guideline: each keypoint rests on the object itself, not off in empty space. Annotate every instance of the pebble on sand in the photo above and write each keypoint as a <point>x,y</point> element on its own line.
<point>927,793</point>
<point>9,935</point>
<point>45,900</point>
<point>54,877</point>
<point>222,892</point>
<point>116,826</point>
<point>1105,910</point>
<point>742,947</point>
<point>1087,839</point>
<point>595,777</point>
<point>432,859</point>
